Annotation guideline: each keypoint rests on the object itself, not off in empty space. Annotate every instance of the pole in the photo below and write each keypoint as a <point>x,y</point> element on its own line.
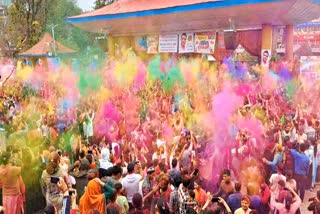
<point>54,40</point>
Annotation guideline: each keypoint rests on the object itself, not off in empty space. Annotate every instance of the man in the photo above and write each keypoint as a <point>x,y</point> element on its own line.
<point>274,180</point>
<point>200,194</point>
<point>277,159</point>
<point>131,182</point>
<point>183,41</point>
<point>184,197</point>
<point>116,176</point>
<point>253,193</point>
<point>315,205</point>
<point>265,58</point>
<point>174,202</point>
<point>226,185</point>
<point>301,168</point>
<point>310,131</point>
<point>234,200</point>
<point>147,187</point>
<point>245,203</point>
<point>174,171</point>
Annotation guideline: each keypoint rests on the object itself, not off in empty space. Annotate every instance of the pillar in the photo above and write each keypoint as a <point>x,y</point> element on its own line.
<point>111,46</point>
<point>266,44</point>
<point>289,43</point>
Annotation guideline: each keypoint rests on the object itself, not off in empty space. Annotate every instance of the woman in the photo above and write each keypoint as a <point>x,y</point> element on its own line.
<point>121,200</point>
<point>10,179</point>
<point>105,159</point>
<point>92,198</point>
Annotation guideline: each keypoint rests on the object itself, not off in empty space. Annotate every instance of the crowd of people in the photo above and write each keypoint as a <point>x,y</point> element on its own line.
<point>217,142</point>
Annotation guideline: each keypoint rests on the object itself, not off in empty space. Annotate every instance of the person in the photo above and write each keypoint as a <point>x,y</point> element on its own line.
<point>174,202</point>
<point>131,182</point>
<point>121,199</point>
<point>88,126</point>
<point>183,41</point>
<point>49,188</point>
<point>200,194</point>
<point>9,178</point>
<point>69,201</point>
<point>137,204</point>
<point>105,159</point>
<point>147,187</point>
<point>93,198</point>
<point>274,180</point>
<point>265,197</point>
<point>291,204</point>
<point>245,204</point>
<point>113,207</point>
<point>278,157</point>
<point>234,200</point>
<point>315,204</point>
<point>226,185</point>
<point>184,196</point>
<point>301,168</point>
<point>174,171</point>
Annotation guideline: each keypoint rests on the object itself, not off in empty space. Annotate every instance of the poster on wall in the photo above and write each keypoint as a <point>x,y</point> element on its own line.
<point>205,42</point>
<point>279,37</point>
<point>152,44</point>
<point>140,43</point>
<point>265,57</point>
<point>310,67</point>
<point>221,40</point>
<point>186,43</point>
<point>168,43</point>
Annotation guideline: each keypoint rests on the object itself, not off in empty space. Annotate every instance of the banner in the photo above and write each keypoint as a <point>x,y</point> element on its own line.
<point>310,67</point>
<point>265,57</point>
<point>205,42</point>
<point>186,43</point>
<point>152,44</point>
<point>168,43</point>
<point>140,43</point>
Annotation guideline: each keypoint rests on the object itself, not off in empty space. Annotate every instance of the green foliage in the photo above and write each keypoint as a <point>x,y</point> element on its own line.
<point>26,19</point>
<point>101,3</point>
<point>65,33</point>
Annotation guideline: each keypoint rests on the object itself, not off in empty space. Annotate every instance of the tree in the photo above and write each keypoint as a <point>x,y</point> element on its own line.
<point>26,19</point>
<point>66,33</point>
<point>102,3</point>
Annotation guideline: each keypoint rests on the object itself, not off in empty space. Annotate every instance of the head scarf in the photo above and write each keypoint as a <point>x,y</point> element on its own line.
<point>105,154</point>
<point>92,198</point>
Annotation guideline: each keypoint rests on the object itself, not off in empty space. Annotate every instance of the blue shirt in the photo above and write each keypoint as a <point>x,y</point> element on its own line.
<point>276,160</point>
<point>234,201</point>
<point>301,162</point>
<point>255,203</point>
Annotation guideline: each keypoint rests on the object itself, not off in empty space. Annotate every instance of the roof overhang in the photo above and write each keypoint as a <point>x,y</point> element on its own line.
<point>207,15</point>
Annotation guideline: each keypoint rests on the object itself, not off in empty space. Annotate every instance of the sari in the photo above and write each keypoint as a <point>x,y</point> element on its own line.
<point>92,199</point>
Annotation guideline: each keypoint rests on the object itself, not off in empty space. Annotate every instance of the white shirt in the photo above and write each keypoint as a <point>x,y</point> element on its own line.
<point>132,184</point>
<point>274,188</point>
<point>241,211</point>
